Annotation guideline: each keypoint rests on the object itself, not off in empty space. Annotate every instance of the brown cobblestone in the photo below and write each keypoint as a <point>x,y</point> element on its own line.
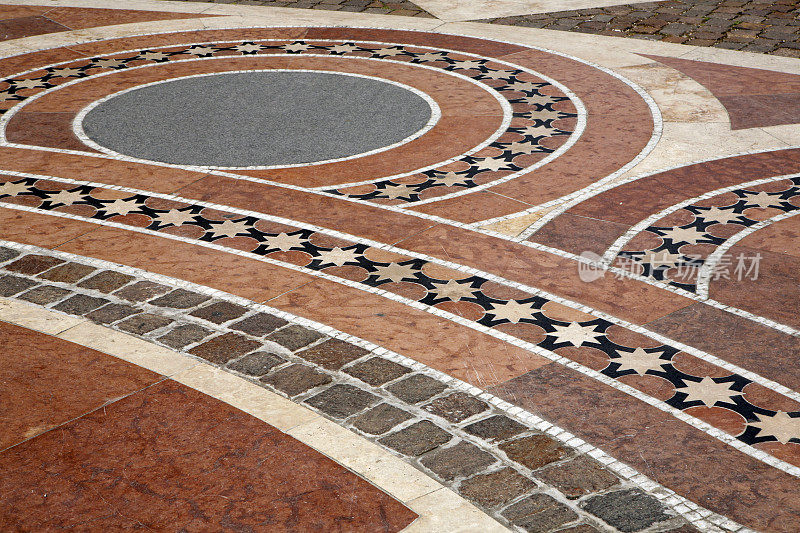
<point>332,354</point>
<point>456,407</point>
<point>143,323</point>
<point>33,264</point>
<point>534,451</point>
<point>222,349</point>
<point>294,337</point>
<point>68,273</point>
<point>106,281</point>
<point>141,291</point>
<point>462,460</point>
<point>184,335</point>
<point>497,488</point>
<point>539,512</point>
<point>11,285</point>
<point>377,371</point>
<point>219,312</point>
<point>296,379</point>
<point>44,294</point>
<point>341,401</point>
<point>417,438</point>
<point>259,324</point>
<point>380,419</point>
<point>416,388</point>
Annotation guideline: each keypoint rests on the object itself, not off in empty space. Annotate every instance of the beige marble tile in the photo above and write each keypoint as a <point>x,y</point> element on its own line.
<point>679,97</point>
<point>459,10</point>
<point>128,348</point>
<point>32,317</point>
<point>444,511</point>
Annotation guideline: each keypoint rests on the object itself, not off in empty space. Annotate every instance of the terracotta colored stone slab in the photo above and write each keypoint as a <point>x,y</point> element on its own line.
<point>238,275</point>
<point>16,28</point>
<point>170,457</point>
<point>40,230</point>
<point>44,129</point>
<point>47,382</point>
<point>753,98</point>
<point>673,453</point>
<point>77,18</point>
<point>740,341</point>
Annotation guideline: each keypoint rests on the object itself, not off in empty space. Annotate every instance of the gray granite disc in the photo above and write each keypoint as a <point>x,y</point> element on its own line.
<point>257,118</point>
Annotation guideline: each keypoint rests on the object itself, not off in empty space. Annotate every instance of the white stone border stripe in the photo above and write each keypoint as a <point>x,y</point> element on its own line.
<point>700,517</point>
<point>658,404</point>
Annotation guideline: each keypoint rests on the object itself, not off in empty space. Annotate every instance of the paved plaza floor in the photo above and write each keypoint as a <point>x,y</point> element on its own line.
<point>345,265</point>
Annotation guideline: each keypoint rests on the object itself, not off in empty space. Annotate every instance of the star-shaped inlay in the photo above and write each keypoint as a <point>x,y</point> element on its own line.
<point>397,190</point>
<point>688,235</point>
<point>298,46</point>
<point>65,197</point>
<point>343,48</point>
<point>453,290</point>
<point>513,311</point>
<point>121,207</point>
<point>491,163</point>
<point>175,217</point>
<point>450,178</point>
<point>65,72</point>
<point>200,50</point>
<point>431,56</point>
<point>537,99</point>
<point>575,333</point>
<point>781,426</point>
<point>30,84</point>
<point>106,62</point>
<point>285,241</point>
<point>388,52</point>
<point>708,391</point>
<point>248,48</point>
<point>13,189</point>
<point>761,199</point>
<point>338,257</point>
<point>467,64</point>
<point>150,55</point>
<point>545,114</point>
<point>229,228</point>
<point>638,360</point>
<point>661,259</point>
<point>518,147</point>
<point>395,272</point>
<point>498,75</point>
<point>524,86</point>
<point>720,215</point>
<point>534,131</point>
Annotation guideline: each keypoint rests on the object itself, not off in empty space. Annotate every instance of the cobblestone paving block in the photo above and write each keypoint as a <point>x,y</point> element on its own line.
<point>381,419</point>
<point>462,460</point>
<point>11,285</point>
<point>257,363</point>
<point>755,26</point>
<point>144,323</point>
<point>222,349</point>
<point>219,312</point>
<point>294,337</point>
<point>106,281</point>
<point>67,273</point>
<point>296,379</point>
<point>456,407</point>
<point>534,451</point>
<point>341,401</point>
<point>377,371</point>
<point>416,388</point>
<point>417,438</point>
<point>578,477</point>
<point>495,428</point>
<point>7,254</point>
<point>497,488</point>
<point>80,304</point>
<point>184,335</point>
<point>332,354</point>
<point>141,291</point>
<point>33,264</point>
<point>180,299</point>
<point>539,512</point>
<point>627,510</point>
<point>44,294</point>
<point>111,313</point>
<point>259,324</point>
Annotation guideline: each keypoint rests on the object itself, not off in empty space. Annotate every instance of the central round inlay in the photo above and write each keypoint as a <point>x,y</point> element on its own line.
<point>261,118</point>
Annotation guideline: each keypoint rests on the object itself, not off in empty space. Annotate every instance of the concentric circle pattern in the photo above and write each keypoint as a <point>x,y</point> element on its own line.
<point>248,119</point>
<point>324,212</point>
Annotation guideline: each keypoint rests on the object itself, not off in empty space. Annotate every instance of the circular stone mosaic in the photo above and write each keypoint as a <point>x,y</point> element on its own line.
<point>260,118</point>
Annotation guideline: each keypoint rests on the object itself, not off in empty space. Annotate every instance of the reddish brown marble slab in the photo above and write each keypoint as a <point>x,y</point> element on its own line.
<point>671,452</point>
<point>172,458</point>
<point>753,98</point>
<point>47,381</point>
